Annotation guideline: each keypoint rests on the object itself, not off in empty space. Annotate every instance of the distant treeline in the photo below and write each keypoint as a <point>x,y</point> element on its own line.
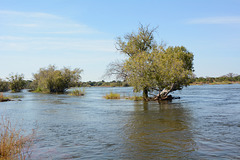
<point>4,85</point>
<point>103,84</point>
<point>226,79</point>
<point>28,84</point>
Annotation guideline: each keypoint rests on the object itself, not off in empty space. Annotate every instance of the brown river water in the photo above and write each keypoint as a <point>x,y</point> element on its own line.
<point>203,124</point>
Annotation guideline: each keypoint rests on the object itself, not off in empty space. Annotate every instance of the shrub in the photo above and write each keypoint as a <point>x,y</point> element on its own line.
<point>16,82</point>
<point>112,95</point>
<point>3,86</point>
<point>13,145</point>
<point>77,92</point>
<point>52,80</point>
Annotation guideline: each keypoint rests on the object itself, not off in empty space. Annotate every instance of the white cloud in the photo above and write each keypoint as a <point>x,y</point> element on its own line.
<point>35,22</point>
<point>49,44</point>
<point>216,20</point>
<point>32,40</point>
<point>41,32</point>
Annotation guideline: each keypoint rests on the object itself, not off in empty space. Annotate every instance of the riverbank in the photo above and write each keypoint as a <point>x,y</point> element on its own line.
<point>4,99</point>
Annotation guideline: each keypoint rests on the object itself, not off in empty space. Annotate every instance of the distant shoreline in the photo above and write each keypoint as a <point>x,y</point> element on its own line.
<point>213,83</point>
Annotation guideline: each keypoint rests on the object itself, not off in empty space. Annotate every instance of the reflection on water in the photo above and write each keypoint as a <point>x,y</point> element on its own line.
<point>203,124</point>
<point>163,131</point>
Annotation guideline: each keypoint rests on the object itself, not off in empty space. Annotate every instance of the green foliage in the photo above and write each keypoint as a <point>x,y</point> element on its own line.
<point>152,67</point>
<point>134,43</point>
<point>52,80</point>
<point>3,86</point>
<point>77,92</point>
<point>28,84</point>
<point>159,69</point>
<point>16,82</point>
<point>112,95</point>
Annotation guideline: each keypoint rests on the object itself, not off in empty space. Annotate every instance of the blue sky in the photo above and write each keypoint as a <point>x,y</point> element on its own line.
<point>82,33</point>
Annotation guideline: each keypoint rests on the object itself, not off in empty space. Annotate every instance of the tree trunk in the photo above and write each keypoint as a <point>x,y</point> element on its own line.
<point>168,98</point>
<point>163,95</point>
<point>145,94</point>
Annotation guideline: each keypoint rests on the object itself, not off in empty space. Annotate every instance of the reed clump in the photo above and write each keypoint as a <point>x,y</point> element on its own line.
<point>112,95</point>
<point>13,144</point>
<point>77,92</point>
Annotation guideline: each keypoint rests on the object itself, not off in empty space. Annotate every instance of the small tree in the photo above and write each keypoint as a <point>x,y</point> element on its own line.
<point>16,82</point>
<point>53,80</point>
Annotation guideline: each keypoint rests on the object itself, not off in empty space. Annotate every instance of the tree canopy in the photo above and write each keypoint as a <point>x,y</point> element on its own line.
<point>162,70</point>
<point>152,67</point>
<point>135,43</point>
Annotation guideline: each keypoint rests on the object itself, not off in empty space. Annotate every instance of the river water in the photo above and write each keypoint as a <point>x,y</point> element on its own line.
<point>203,124</point>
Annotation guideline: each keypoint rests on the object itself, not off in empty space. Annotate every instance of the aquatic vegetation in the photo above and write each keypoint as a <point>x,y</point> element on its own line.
<point>112,95</point>
<point>77,92</point>
<point>13,144</point>
<point>135,98</point>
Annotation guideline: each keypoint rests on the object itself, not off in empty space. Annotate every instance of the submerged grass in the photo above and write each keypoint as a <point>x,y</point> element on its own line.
<point>112,95</point>
<point>135,98</point>
<point>13,144</point>
<point>77,92</point>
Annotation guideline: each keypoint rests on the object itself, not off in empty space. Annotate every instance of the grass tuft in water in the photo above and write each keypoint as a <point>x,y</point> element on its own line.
<point>77,92</point>
<point>112,95</point>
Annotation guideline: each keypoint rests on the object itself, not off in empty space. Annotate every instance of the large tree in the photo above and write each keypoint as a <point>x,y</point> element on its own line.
<point>152,67</point>
<point>131,45</point>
